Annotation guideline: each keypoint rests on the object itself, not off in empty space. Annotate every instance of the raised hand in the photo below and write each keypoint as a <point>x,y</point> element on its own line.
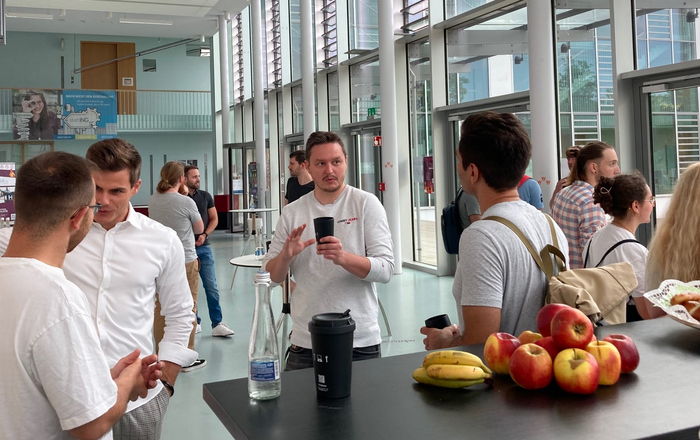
<point>293,245</point>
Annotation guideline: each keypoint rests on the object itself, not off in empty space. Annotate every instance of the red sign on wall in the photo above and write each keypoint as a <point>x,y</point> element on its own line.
<point>382,186</point>
<point>377,141</point>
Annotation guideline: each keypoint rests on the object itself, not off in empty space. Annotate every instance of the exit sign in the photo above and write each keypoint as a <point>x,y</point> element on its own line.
<point>377,141</point>
<point>371,111</point>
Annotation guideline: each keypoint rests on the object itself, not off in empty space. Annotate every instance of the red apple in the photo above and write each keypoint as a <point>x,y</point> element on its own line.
<point>608,359</point>
<point>571,328</point>
<point>628,351</point>
<point>531,367</point>
<point>576,371</point>
<point>544,318</point>
<point>527,337</point>
<point>498,349</point>
<point>548,344</point>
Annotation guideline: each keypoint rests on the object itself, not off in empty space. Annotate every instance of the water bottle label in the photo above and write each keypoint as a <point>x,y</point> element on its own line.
<point>265,371</point>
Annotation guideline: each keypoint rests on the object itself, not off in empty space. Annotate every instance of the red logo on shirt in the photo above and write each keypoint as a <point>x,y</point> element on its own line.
<point>347,220</point>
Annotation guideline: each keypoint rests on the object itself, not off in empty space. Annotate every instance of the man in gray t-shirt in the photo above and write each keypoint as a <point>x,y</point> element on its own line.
<point>468,208</point>
<point>499,287</point>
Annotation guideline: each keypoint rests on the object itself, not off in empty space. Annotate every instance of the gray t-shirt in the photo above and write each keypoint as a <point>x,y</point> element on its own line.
<point>500,272</point>
<point>468,205</point>
<point>177,212</point>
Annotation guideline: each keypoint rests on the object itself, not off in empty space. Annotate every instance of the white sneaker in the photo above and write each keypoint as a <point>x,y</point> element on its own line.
<point>199,363</point>
<point>199,329</point>
<point>221,330</point>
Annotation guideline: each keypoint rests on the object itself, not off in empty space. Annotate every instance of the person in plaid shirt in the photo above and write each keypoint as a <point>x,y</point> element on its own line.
<point>574,210</point>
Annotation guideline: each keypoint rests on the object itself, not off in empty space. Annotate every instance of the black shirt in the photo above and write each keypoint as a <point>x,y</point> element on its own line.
<point>204,201</point>
<point>294,190</point>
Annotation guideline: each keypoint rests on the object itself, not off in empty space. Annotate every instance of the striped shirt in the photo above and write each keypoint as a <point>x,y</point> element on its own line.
<point>579,217</point>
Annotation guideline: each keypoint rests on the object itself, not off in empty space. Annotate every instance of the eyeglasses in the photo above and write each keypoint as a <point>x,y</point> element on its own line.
<point>34,103</point>
<point>96,207</point>
<point>652,200</point>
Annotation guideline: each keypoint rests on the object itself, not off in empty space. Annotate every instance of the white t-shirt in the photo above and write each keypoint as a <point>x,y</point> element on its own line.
<point>54,374</point>
<point>321,285</point>
<point>495,268</point>
<point>632,253</point>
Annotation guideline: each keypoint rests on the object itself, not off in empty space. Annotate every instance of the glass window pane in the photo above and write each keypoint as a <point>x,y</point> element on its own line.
<point>333,102</point>
<point>488,59</point>
<point>363,26</point>
<point>456,7</point>
<point>297,110</point>
<point>665,36</point>
<point>364,91</point>
<point>295,37</point>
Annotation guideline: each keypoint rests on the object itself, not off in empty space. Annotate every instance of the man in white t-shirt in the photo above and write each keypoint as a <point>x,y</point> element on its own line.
<point>497,286</point>
<point>340,272</point>
<point>58,385</point>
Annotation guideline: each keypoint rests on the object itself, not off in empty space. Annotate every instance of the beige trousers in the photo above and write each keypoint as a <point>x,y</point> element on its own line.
<point>192,270</point>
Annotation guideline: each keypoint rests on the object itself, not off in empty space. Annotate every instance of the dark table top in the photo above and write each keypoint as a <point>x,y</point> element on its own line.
<point>661,399</point>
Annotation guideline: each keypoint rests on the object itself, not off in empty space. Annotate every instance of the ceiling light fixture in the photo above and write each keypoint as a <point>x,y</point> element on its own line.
<point>109,14</point>
<point>29,15</point>
<point>145,21</point>
<point>62,13</point>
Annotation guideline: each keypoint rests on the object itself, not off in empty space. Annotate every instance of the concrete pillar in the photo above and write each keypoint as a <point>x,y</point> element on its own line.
<point>390,154</point>
<point>543,109</point>
<point>308,70</point>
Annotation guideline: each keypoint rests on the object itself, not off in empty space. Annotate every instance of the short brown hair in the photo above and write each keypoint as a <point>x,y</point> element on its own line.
<point>170,175</point>
<point>189,168</point>
<point>616,194</point>
<point>116,155</point>
<point>499,146</point>
<point>323,137</point>
<point>49,189</point>
<point>298,155</point>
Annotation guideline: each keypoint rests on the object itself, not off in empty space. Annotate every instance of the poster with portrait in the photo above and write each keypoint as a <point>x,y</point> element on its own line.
<point>41,114</point>
<point>7,191</point>
<point>36,114</point>
<point>89,114</point>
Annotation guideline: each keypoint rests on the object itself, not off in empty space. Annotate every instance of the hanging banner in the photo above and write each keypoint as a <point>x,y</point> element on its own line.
<point>7,191</point>
<point>69,114</point>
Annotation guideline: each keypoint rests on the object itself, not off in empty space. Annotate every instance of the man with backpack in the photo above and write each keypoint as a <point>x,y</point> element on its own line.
<point>456,217</point>
<point>497,286</point>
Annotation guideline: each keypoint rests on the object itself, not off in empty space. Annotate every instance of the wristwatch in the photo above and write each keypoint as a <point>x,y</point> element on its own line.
<point>205,235</point>
<point>168,386</point>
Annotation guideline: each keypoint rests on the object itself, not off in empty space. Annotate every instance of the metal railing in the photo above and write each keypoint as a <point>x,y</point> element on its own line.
<point>143,110</point>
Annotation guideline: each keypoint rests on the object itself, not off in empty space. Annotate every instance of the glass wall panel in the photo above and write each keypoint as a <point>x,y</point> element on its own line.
<point>424,220</point>
<point>666,36</point>
<point>488,59</point>
<point>333,102</point>
<point>364,91</point>
<point>585,79</point>
<point>297,110</point>
<point>363,24</point>
<point>295,37</point>
<point>456,7</point>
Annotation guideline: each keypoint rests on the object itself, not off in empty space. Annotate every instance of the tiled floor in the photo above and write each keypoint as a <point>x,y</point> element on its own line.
<point>408,299</point>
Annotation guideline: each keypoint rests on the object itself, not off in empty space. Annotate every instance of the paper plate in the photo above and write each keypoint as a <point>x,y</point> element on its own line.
<point>661,297</point>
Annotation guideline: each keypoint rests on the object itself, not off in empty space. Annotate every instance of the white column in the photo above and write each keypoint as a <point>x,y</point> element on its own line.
<point>308,70</point>
<point>623,61</point>
<point>543,110</point>
<point>224,80</point>
<point>259,102</point>
<point>390,153</point>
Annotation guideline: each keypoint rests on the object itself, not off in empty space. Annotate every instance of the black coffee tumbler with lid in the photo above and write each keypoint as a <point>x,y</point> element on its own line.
<point>331,346</point>
<point>323,227</point>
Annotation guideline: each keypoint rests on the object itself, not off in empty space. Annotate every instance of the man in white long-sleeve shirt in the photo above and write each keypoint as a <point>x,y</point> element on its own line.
<point>120,265</point>
<point>339,273</point>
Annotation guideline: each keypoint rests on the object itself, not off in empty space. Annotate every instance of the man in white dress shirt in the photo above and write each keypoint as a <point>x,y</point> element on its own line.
<point>56,382</point>
<point>124,260</point>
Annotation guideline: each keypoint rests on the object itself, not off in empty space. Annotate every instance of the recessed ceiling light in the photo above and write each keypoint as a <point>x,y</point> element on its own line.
<point>145,21</point>
<point>29,15</point>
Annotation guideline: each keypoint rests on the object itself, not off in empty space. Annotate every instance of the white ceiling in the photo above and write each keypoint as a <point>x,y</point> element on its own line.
<point>191,18</point>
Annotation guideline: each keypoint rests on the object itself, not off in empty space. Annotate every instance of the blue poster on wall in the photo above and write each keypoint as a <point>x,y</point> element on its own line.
<point>89,114</point>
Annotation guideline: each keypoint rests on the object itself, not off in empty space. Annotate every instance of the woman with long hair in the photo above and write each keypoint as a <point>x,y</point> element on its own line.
<point>574,209</point>
<point>673,251</point>
<point>571,155</point>
<point>627,198</point>
<point>44,123</point>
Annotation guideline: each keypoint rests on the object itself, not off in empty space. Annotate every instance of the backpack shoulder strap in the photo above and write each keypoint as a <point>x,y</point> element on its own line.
<point>553,249</point>
<point>612,248</point>
<point>525,241</point>
<point>588,252</point>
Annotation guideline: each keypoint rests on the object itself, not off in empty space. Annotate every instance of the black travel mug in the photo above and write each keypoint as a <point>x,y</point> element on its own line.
<point>331,347</point>
<point>323,227</point>
<point>438,321</point>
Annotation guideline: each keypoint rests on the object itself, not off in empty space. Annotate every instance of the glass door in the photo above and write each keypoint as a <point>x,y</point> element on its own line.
<point>369,167</point>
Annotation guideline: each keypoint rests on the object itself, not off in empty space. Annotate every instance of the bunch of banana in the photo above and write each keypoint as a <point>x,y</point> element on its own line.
<point>452,369</point>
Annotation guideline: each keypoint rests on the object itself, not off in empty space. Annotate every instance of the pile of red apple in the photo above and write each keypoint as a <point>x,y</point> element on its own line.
<point>564,349</point>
